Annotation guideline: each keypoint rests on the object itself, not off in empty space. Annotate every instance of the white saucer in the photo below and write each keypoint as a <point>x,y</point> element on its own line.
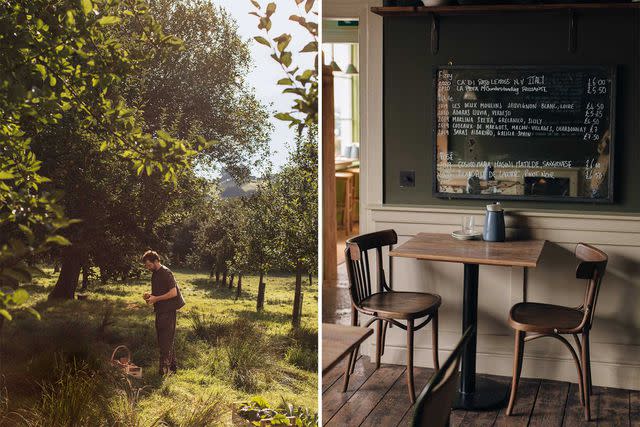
<point>461,235</point>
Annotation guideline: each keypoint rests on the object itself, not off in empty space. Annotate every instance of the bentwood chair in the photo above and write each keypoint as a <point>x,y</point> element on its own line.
<point>384,305</point>
<point>433,407</point>
<point>547,320</point>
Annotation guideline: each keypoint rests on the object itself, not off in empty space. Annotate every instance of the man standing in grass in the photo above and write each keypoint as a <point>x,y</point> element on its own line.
<point>166,299</point>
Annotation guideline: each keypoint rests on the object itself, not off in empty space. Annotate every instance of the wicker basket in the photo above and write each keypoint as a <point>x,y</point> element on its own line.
<point>125,363</point>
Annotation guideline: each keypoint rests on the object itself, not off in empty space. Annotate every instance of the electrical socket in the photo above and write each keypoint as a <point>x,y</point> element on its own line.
<point>407,178</point>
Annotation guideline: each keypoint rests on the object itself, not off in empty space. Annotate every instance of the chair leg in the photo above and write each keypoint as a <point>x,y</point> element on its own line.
<point>588,367</point>
<point>412,392</point>
<point>586,375</point>
<point>352,360</point>
<point>434,340</point>
<point>378,342</point>
<point>517,369</point>
<point>355,358</point>
<point>580,364</point>
<point>354,316</point>
<point>384,335</point>
<point>347,372</point>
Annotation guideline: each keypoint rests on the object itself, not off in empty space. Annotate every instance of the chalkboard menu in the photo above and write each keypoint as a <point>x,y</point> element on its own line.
<point>543,133</point>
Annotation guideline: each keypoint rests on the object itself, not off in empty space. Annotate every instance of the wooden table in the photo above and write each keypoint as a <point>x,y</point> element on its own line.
<point>338,341</point>
<point>475,393</point>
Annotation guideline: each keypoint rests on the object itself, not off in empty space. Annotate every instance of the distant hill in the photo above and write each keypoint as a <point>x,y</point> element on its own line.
<point>230,188</point>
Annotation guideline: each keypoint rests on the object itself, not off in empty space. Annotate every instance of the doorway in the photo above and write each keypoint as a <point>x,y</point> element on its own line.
<point>340,160</point>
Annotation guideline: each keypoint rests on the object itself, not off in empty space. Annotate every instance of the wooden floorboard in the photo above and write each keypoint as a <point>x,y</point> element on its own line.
<point>396,404</point>
<point>479,418</point>
<point>574,411</point>
<point>334,398</point>
<point>525,399</point>
<point>634,408</point>
<point>613,408</point>
<point>456,417</point>
<point>333,375</point>
<point>548,410</point>
<point>380,398</point>
<point>365,399</point>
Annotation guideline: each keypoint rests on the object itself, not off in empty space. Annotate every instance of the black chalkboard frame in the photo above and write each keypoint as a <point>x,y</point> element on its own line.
<point>610,199</point>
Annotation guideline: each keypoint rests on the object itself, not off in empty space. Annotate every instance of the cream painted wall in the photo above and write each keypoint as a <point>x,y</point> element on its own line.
<point>616,332</point>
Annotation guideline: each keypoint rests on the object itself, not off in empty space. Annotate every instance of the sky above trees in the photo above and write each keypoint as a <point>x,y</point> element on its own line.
<point>266,71</point>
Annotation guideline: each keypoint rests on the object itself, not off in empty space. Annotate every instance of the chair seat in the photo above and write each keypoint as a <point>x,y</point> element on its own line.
<point>401,305</point>
<point>544,318</point>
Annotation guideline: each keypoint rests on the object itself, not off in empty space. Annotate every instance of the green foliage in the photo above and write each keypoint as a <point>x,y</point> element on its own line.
<point>62,67</point>
<point>297,189</point>
<point>274,229</point>
<point>209,95</point>
<point>66,59</point>
<point>302,83</point>
<point>13,299</point>
<point>258,409</point>
<point>125,210</point>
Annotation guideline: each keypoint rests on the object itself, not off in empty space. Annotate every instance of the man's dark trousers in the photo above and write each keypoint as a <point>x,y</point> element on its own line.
<point>166,330</point>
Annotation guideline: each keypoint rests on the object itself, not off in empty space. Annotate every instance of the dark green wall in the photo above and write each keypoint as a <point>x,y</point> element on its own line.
<point>523,38</point>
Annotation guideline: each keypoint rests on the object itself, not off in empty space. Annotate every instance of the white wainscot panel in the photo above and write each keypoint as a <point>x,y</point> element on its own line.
<point>615,338</point>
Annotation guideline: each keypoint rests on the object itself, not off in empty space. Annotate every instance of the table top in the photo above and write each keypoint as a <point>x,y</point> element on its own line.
<point>443,247</point>
<point>338,341</point>
<point>345,162</point>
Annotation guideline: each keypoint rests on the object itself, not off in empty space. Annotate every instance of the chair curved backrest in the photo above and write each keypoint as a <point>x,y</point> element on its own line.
<point>592,266</point>
<point>356,256</point>
<point>433,406</point>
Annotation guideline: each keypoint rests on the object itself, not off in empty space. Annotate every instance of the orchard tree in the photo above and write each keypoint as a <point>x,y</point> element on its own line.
<point>297,188</point>
<point>201,89</point>
<point>265,227</point>
<point>219,237</point>
<point>122,213</point>
<point>59,59</point>
<point>166,84</point>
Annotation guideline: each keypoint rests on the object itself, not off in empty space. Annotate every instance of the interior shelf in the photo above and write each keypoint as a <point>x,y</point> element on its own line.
<point>471,9</point>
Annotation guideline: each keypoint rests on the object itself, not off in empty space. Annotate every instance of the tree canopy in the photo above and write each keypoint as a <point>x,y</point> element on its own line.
<point>60,59</point>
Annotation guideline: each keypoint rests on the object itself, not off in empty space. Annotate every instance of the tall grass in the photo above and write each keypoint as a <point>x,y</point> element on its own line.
<point>209,328</point>
<point>123,408</point>
<point>75,398</point>
<point>206,411</point>
<point>302,357</point>
<point>250,358</point>
<point>302,348</point>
